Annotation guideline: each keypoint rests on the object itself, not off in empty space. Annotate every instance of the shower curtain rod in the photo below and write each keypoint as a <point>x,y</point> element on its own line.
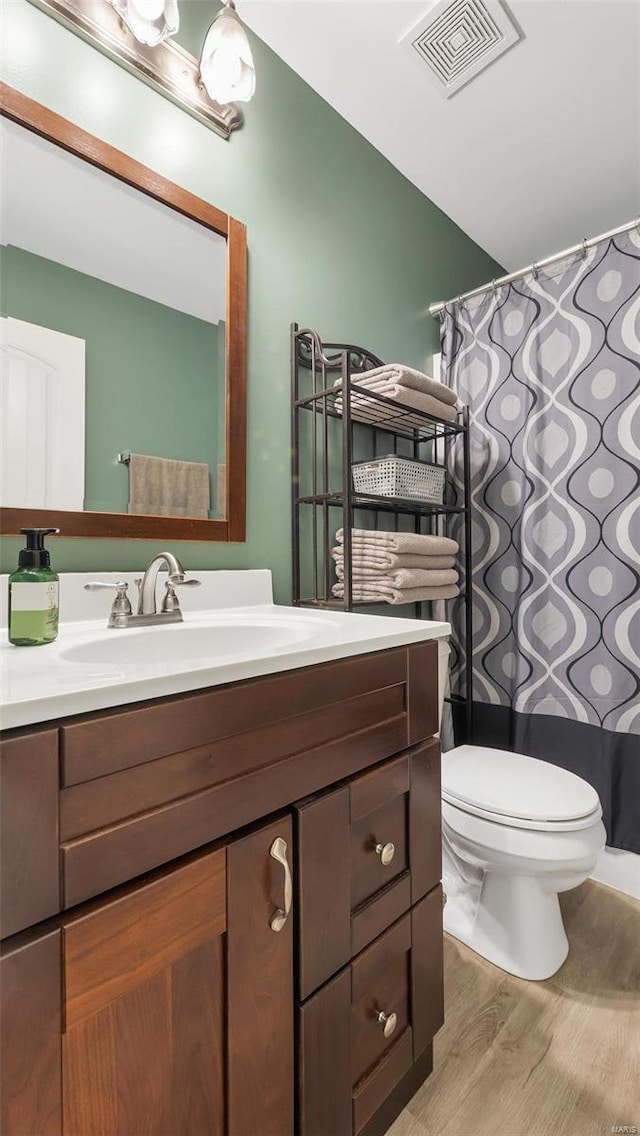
<point>435,309</point>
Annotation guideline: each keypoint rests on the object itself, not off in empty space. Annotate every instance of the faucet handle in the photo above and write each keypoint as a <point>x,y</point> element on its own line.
<point>121,604</point>
<point>171,601</point>
<point>119,585</point>
<point>175,578</point>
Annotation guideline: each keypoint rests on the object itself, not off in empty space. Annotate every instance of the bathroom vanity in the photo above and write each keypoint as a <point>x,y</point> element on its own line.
<point>221,909</point>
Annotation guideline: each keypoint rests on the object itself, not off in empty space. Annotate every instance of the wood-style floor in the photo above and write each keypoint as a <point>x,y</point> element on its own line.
<point>554,1058</point>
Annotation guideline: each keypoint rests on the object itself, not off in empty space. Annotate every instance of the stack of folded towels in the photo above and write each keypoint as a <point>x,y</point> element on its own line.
<point>397,568</point>
<point>402,385</point>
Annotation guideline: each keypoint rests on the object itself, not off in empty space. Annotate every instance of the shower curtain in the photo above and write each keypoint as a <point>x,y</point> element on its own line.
<point>550,368</point>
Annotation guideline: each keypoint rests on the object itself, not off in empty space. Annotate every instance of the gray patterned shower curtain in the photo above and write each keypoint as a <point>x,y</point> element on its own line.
<point>550,368</point>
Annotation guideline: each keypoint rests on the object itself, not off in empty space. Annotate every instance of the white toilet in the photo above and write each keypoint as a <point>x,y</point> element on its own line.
<point>516,831</point>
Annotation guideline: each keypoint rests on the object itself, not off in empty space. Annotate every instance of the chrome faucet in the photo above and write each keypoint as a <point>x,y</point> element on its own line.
<point>147,613</point>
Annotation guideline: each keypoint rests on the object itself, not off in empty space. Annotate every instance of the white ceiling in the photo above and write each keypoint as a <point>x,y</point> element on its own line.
<point>59,207</point>
<point>537,152</point>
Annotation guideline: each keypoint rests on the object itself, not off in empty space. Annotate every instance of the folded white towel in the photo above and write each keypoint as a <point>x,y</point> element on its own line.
<point>365,409</point>
<point>363,540</point>
<point>408,377</point>
<point>398,595</point>
<point>375,561</point>
<point>403,578</point>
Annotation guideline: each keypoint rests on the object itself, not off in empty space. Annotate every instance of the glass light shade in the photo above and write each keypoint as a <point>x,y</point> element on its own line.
<point>150,21</point>
<point>226,66</point>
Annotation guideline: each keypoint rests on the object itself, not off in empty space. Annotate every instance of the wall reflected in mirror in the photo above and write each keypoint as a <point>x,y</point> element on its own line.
<point>113,342</point>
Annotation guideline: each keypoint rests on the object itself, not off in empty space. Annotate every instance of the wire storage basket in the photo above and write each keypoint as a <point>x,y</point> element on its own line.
<point>393,476</point>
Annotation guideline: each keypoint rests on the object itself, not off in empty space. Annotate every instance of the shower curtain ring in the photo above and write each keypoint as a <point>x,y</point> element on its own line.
<point>495,287</point>
<point>535,270</point>
<point>584,248</point>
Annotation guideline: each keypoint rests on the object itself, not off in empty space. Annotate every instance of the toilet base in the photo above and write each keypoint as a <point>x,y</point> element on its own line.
<point>512,921</point>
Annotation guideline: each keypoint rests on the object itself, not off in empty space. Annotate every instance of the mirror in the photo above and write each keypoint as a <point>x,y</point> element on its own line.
<point>123,335</point>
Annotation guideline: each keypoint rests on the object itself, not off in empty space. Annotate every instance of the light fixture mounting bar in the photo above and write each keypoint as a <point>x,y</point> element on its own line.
<point>167,67</point>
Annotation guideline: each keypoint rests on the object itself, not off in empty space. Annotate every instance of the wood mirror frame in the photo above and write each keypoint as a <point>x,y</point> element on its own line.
<point>60,131</point>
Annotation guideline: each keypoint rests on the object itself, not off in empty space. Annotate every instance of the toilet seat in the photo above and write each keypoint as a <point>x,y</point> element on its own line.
<point>516,791</point>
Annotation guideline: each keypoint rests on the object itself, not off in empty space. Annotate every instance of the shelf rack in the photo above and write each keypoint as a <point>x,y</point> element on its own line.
<point>330,426</point>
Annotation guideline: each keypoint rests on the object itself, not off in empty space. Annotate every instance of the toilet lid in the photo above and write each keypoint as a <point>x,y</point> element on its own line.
<point>512,785</point>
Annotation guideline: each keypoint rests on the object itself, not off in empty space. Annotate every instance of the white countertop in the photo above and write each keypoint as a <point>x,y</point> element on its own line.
<point>249,634</point>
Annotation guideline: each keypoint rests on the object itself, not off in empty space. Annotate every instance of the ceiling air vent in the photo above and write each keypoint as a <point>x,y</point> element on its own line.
<point>459,38</point>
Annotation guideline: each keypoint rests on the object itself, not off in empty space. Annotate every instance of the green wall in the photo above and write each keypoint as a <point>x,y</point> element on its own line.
<point>338,240</point>
<point>154,376</point>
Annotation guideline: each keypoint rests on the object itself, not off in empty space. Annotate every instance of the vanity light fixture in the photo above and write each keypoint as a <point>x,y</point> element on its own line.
<point>150,21</point>
<point>226,66</point>
<point>227,71</point>
<point>140,36</point>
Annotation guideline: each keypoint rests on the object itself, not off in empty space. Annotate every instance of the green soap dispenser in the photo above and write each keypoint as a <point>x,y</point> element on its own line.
<point>33,594</point>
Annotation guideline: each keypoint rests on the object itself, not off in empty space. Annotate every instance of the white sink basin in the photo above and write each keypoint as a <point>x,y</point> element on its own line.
<point>181,643</point>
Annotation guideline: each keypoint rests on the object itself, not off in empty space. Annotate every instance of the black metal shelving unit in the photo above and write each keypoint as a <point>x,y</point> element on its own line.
<point>330,427</point>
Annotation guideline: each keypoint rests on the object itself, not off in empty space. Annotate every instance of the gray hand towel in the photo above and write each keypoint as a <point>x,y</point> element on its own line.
<point>161,487</point>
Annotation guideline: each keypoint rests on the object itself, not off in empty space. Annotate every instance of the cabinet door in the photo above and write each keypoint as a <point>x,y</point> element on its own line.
<point>177,1005</point>
<point>260,984</point>
<point>143,1043</point>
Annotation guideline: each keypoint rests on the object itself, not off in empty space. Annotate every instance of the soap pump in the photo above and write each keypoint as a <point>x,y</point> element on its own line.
<point>33,594</point>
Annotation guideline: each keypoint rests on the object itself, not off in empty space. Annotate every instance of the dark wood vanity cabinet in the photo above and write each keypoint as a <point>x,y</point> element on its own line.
<point>152,983</point>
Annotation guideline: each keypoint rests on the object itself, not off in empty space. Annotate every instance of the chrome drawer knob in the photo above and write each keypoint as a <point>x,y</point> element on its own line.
<point>388,1022</point>
<point>386,852</point>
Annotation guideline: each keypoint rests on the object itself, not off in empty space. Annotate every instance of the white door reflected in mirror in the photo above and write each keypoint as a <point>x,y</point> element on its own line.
<point>42,409</point>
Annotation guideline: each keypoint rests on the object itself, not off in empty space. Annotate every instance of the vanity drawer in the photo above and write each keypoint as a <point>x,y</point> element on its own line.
<point>380,985</point>
<point>400,974</point>
<point>385,825</point>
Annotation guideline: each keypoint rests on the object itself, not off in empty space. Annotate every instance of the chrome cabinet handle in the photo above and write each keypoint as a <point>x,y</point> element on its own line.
<point>386,852</point>
<point>388,1022</point>
<point>279,852</point>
